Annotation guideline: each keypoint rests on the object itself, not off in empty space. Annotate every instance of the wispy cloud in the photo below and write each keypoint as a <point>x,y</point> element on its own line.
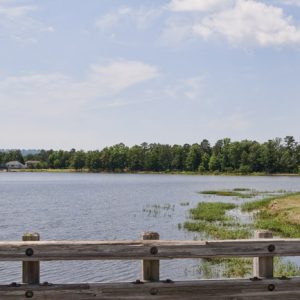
<point>140,17</point>
<point>290,2</point>
<point>198,5</point>
<point>17,23</point>
<point>239,22</point>
<point>191,88</point>
<point>56,94</point>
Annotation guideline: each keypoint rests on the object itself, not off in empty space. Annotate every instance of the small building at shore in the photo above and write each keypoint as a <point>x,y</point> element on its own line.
<point>15,165</point>
<point>31,164</point>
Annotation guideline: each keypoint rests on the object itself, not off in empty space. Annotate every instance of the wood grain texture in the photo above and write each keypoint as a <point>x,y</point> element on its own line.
<point>31,270</point>
<point>135,250</point>
<point>263,266</point>
<point>150,268</point>
<point>188,290</point>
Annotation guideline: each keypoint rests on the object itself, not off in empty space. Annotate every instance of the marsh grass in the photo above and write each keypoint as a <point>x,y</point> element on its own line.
<point>278,213</point>
<point>225,267</point>
<point>242,267</point>
<point>263,203</point>
<point>211,220</point>
<point>219,230</point>
<point>255,205</point>
<point>238,193</point>
<point>157,210</point>
<point>212,211</point>
<point>241,189</point>
<point>285,268</point>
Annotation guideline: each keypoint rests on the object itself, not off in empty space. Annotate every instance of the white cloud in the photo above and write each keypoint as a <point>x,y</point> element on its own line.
<point>291,2</point>
<point>140,17</point>
<point>176,31</point>
<point>52,94</point>
<point>16,22</point>
<point>239,22</point>
<point>198,5</point>
<point>245,22</point>
<point>111,19</point>
<point>187,89</point>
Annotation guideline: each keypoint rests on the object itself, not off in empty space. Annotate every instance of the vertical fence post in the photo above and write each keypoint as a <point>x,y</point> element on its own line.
<point>150,268</point>
<point>31,269</point>
<point>263,266</point>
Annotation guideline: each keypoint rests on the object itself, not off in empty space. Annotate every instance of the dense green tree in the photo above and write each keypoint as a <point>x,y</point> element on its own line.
<point>118,157</point>
<point>193,158</point>
<point>78,160</point>
<point>136,158</point>
<point>93,161</point>
<point>13,155</point>
<point>243,156</point>
<point>177,163</point>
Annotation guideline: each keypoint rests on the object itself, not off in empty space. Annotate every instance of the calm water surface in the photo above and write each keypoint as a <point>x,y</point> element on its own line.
<point>63,206</point>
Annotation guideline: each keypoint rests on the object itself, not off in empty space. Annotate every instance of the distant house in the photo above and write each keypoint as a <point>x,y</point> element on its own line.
<point>31,163</point>
<point>15,165</point>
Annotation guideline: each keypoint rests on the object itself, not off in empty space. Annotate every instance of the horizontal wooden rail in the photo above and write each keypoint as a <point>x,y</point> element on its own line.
<point>145,249</point>
<point>187,290</point>
<point>150,250</point>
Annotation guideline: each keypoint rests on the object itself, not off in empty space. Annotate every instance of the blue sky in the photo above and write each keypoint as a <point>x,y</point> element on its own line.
<point>89,74</point>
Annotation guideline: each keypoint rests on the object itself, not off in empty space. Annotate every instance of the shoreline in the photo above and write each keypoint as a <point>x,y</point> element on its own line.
<point>149,172</point>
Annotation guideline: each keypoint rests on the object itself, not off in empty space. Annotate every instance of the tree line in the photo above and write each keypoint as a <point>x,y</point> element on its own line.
<point>226,156</point>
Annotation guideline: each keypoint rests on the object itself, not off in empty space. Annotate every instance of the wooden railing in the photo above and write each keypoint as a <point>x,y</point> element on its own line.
<point>151,250</point>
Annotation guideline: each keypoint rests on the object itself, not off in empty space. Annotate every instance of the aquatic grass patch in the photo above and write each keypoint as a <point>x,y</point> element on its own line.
<point>242,267</point>
<point>211,220</point>
<point>158,210</point>
<point>230,193</point>
<point>285,268</point>
<point>211,211</point>
<point>278,213</point>
<point>222,231</point>
<point>255,205</point>
<point>225,193</point>
<point>225,267</point>
<point>278,226</point>
<point>241,189</point>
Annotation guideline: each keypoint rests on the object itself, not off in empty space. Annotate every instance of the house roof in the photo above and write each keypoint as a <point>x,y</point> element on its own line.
<point>14,162</point>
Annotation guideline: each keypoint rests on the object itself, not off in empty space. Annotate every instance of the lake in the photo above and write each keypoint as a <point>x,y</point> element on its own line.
<point>79,206</point>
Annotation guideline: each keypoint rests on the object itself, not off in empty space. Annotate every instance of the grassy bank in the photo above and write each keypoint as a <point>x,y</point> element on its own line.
<point>279,214</point>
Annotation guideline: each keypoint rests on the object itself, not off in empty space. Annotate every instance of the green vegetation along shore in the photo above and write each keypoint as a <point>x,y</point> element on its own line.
<point>278,156</point>
<point>279,213</point>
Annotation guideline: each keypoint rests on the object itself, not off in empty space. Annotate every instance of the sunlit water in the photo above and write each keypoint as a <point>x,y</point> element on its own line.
<point>63,206</point>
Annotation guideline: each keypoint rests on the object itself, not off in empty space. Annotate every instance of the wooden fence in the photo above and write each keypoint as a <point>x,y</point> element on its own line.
<point>151,250</point>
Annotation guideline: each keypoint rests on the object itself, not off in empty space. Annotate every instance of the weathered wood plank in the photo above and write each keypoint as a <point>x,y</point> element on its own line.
<point>150,268</point>
<point>263,266</point>
<point>189,290</point>
<point>31,269</point>
<point>101,250</point>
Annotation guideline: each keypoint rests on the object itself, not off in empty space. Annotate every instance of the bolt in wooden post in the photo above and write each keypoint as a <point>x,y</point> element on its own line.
<point>263,266</point>
<point>31,270</point>
<point>150,268</point>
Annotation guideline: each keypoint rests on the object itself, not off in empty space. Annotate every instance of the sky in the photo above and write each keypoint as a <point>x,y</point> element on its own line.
<point>89,74</point>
